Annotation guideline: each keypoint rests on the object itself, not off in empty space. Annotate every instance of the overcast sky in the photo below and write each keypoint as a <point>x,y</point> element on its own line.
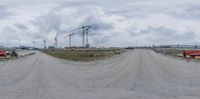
<point>115,23</point>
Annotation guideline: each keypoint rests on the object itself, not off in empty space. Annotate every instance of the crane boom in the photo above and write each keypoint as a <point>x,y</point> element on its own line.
<point>85,31</point>
<point>70,37</point>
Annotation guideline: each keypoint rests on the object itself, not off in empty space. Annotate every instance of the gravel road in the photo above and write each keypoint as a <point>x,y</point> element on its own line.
<point>138,74</point>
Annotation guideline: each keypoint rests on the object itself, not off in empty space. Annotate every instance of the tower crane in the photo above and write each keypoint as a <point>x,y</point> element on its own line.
<point>72,32</point>
<point>44,43</point>
<point>70,37</point>
<point>56,40</point>
<point>85,31</point>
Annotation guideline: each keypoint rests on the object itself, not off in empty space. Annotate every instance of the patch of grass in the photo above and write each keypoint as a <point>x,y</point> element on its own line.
<point>82,54</point>
<point>175,52</point>
<point>168,51</point>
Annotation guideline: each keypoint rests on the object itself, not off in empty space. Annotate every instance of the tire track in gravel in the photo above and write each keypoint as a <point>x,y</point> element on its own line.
<point>140,74</point>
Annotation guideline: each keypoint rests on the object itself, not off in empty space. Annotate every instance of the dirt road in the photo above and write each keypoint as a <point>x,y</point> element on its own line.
<point>138,74</point>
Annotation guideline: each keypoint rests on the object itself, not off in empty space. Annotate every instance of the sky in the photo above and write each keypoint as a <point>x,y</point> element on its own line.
<point>115,23</point>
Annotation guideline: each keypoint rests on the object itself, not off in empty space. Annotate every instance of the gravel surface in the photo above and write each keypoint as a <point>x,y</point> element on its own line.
<point>25,52</point>
<point>138,74</point>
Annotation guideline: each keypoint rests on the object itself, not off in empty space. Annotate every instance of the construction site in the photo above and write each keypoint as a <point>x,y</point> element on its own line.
<point>108,49</point>
<point>99,73</point>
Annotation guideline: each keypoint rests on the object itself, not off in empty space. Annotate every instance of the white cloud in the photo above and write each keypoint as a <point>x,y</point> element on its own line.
<point>121,23</point>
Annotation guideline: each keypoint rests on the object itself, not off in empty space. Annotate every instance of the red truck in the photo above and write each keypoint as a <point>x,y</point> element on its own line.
<point>3,52</point>
<point>191,53</point>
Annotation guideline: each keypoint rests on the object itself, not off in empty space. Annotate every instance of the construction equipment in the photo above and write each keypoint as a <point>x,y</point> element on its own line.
<point>3,53</point>
<point>191,53</point>
<point>85,32</point>
<point>44,41</point>
<point>83,27</point>
<point>70,37</point>
<point>13,53</point>
<point>56,40</point>
<point>8,53</point>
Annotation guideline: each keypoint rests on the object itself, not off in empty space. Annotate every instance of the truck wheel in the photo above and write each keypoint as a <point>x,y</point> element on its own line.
<point>193,56</point>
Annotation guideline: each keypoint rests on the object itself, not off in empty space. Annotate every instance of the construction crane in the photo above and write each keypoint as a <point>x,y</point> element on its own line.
<point>70,37</point>
<point>44,43</point>
<point>56,40</point>
<point>72,32</point>
<point>85,31</point>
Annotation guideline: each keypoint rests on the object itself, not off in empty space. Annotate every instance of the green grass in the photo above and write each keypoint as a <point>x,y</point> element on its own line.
<point>83,55</point>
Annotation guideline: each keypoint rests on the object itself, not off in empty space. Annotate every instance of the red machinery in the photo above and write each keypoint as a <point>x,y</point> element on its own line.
<point>2,52</point>
<point>191,53</point>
